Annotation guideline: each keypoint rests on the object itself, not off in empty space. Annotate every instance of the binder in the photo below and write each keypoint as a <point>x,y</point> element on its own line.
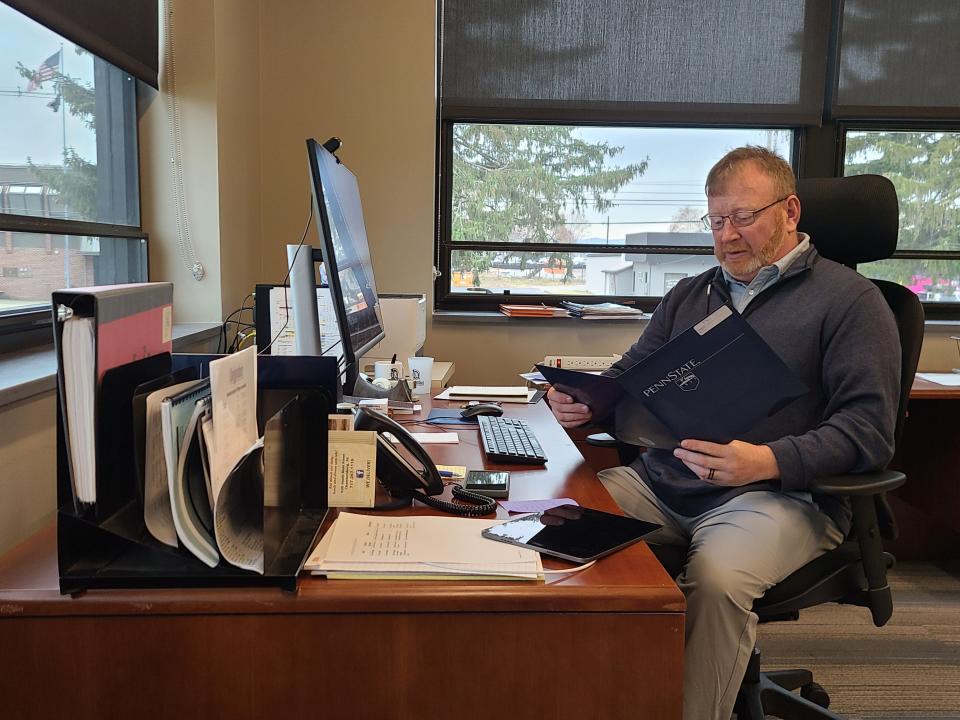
<point>97,329</point>
<point>105,544</point>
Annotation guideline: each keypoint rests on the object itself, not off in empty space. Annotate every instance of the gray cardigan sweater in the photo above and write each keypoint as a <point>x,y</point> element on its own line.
<point>833,328</point>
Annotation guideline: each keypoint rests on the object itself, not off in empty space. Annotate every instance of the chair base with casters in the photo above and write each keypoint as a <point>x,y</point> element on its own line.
<point>771,693</point>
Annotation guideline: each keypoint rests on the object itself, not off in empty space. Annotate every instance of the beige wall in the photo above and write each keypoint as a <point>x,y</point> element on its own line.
<point>939,353</point>
<point>196,90</point>
<point>237,43</point>
<point>363,71</point>
<point>28,467</point>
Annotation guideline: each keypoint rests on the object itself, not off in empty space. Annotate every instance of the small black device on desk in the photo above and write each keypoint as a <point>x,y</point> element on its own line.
<point>510,440</point>
<point>494,484</point>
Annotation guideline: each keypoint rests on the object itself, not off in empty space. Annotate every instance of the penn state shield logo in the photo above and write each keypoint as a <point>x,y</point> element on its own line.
<point>688,382</point>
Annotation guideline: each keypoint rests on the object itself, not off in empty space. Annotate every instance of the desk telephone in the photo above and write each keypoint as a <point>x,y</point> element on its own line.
<point>403,481</point>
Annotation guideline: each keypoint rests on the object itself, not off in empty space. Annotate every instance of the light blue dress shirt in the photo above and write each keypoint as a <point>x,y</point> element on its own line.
<point>741,294</point>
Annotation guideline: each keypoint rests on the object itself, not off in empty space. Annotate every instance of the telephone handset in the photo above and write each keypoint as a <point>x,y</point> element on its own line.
<point>401,479</point>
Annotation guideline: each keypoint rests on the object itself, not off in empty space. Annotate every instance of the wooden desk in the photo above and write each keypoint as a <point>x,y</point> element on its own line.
<point>928,505</point>
<point>605,643</point>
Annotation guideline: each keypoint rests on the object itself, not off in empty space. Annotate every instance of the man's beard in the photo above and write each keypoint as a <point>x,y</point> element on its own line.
<point>749,266</point>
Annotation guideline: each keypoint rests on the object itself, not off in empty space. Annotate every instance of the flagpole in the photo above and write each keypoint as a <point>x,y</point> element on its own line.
<point>66,209</point>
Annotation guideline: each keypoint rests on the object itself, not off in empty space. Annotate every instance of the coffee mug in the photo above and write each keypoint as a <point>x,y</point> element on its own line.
<point>386,370</point>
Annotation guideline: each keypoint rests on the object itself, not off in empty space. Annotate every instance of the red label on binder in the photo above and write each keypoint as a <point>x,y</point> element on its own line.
<point>134,337</point>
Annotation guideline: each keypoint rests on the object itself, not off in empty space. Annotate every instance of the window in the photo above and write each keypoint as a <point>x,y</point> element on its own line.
<point>69,193</point>
<point>924,166</point>
<point>544,189</point>
<point>556,211</point>
<point>575,137</point>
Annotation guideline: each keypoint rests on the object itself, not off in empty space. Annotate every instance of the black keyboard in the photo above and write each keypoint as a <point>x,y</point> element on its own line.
<point>508,440</point>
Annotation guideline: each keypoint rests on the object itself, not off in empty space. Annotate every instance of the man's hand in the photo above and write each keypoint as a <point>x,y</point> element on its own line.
<point>733,464</point>
<point>568,412</point>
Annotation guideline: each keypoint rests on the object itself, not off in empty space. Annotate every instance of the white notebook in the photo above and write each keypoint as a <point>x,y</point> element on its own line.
<point>487,394</point>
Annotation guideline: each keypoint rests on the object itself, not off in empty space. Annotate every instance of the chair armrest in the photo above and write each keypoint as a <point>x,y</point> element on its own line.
<point>871,483</point>
<point>866,493</point>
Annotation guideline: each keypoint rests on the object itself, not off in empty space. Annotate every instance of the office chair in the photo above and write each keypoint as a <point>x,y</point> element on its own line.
<point>850,220</point>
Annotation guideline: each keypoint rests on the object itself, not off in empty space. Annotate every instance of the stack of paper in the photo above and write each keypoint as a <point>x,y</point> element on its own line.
<point>533,311</point>
<point>602,311</point>
<point>79,347</point>
<point>419,547</point>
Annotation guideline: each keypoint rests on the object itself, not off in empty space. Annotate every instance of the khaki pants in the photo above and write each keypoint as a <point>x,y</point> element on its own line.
<point>735,553</point>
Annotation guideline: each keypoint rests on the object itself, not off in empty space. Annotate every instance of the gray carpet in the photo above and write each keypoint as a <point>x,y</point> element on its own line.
<point>910,668</point>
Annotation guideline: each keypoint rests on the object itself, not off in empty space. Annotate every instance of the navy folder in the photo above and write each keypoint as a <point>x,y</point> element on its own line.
<point>712,382</point>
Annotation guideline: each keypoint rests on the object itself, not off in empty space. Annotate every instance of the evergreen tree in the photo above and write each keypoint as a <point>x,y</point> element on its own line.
<point>518,183</point>
<point>925,169</point>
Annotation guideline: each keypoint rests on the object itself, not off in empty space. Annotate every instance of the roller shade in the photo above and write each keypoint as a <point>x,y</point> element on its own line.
<point>753,61</point>
<point>899,59</point>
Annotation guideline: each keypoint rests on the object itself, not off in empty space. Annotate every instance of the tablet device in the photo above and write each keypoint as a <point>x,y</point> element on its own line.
<point>572,532</point>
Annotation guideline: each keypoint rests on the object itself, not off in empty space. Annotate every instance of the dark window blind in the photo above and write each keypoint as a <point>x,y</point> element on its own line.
<point>899,60</point>
<point>736,61</point>
<point>122,32</point>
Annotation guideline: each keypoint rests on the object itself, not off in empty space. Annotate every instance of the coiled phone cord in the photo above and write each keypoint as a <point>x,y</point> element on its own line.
<point>478,504</point>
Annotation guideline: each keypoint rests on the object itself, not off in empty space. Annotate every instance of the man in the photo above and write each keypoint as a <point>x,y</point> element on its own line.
<point>743,510</point>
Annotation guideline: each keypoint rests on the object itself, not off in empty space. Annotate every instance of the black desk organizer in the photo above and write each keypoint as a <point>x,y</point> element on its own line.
<point>107,545</point>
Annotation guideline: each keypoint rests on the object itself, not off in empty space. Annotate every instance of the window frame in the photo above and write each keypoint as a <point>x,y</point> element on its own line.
<point>116,95</point>
<point>932,310</point>
<point>445,300</point>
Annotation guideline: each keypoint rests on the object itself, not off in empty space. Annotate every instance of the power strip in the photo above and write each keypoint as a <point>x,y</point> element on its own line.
<point>576,362</point>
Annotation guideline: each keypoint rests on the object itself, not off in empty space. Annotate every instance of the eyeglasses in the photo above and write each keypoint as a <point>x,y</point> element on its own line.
<point>740,218</point>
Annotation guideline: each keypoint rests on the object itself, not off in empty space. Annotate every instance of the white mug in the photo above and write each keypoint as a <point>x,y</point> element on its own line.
<point>386,370</point>
<point>421,370</point>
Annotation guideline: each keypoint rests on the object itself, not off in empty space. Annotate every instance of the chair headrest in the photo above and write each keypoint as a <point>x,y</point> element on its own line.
<point>852,219</point>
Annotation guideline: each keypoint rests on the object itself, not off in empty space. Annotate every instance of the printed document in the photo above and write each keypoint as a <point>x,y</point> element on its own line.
<point>238,515</point>
<point>233,393</point>
<point>429,547</point>
<point>351,468</point>
<point>157,515</point>
<point>238,522</point>
<point>281,316</point>
<point>178,412</point>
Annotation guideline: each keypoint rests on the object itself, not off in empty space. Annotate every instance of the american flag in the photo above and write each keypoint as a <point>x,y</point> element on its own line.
<point>47,71</point>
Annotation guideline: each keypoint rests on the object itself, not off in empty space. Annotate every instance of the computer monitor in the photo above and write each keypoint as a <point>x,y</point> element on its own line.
<point>346,255</point>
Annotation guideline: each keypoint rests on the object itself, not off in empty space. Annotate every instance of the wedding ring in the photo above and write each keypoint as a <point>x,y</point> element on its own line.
<point>710,474</point>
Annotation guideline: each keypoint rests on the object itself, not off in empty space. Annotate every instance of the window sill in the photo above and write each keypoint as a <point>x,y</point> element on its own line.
<point>942,324</point>
<point>489,316</point>
<point>32,372</point>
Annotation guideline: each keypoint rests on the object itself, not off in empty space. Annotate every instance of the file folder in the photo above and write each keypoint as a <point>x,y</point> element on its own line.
<point>713,382</point>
